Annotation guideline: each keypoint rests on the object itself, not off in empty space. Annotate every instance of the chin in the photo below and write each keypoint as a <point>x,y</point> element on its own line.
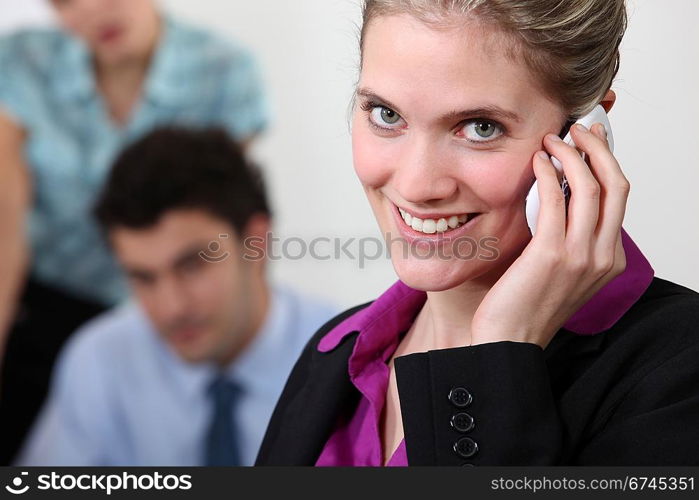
<point>193,356</point>
<point>434,275</point>
<point>114,55</point>
<point>192,350</point>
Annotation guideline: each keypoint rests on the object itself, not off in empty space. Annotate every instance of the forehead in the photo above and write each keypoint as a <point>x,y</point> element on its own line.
<point>465,63</point>
<point>175,232</point>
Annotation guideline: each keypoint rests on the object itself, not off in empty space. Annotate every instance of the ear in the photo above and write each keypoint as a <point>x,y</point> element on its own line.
<point>608,100</point>
<point>258,226</point>
<point>257,233</point>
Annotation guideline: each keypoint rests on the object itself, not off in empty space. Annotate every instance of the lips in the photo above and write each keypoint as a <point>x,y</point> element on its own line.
<point>109,34</point>
<point>186,335</point>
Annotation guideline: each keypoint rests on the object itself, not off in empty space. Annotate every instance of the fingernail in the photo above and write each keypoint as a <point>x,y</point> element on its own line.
<point>580,128</point>
<point>555,138</point>
<point>543,156</point>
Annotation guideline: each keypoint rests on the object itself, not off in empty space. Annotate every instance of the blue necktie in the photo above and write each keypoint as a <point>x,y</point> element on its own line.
<point>222,439</point>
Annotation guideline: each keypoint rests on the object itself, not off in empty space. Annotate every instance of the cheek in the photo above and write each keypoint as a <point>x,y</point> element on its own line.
<point>372,157</point>
<point>73,21</point>
<point>214,285</point>
<point>134,15</point>
<point>150,301</point>
<point>146,299</point>
<point>502,180</point>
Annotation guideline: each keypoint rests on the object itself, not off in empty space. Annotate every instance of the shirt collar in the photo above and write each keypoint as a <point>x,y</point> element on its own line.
<point>395,309</point>
<point>257,366</point>
<point>71,74</point>
<point>171,67</point>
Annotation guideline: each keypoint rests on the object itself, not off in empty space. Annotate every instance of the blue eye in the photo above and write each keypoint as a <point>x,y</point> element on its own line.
<point>382,116</point>
<point>482,130</point>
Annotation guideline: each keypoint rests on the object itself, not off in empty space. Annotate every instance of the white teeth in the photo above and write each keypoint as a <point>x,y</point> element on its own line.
<point>431,226</point>
<point>416,224</point>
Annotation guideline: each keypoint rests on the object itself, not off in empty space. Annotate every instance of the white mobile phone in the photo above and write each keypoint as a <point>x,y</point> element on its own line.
<point>597,115</point>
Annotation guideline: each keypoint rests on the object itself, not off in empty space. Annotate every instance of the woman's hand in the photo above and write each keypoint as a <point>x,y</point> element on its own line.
<point>567,261</point>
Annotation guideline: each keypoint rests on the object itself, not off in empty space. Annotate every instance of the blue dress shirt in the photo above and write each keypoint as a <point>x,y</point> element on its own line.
<point>121,397</point>
<point>47,87</point>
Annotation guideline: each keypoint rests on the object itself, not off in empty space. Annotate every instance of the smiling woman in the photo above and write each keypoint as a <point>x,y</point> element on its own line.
<point>564,348</point>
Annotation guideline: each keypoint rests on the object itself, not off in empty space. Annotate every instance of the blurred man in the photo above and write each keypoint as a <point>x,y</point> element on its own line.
<point>189,372</point>
<point>71,96</point>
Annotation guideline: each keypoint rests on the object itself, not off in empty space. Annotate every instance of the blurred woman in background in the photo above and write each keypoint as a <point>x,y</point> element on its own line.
<point>70,98</point>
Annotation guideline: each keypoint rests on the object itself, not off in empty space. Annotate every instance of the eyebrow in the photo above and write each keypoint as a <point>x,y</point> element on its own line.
<point>136,273</point>
<point>187,255</point>
<point>488,111</point>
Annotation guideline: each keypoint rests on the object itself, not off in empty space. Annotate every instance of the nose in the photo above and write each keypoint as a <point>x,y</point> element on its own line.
<point>171,299</point>
<point>424,172</point>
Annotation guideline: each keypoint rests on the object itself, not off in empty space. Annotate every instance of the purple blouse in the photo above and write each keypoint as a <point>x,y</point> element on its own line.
<point>357,441</point>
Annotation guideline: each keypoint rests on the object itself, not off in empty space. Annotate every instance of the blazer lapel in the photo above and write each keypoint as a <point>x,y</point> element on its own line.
<point>310,418</point>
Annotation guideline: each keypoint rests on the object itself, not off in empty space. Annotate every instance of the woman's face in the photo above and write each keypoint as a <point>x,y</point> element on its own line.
<point>114,30</point>
<point>446,126</point>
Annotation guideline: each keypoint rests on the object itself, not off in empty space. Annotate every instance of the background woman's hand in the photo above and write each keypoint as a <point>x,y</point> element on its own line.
<point>568,260</point>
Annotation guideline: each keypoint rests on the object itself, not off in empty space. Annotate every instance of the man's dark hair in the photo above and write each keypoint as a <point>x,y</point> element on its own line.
<point>179,168</point>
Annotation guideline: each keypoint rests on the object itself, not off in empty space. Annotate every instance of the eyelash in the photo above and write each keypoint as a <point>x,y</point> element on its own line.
<point>369,106</point>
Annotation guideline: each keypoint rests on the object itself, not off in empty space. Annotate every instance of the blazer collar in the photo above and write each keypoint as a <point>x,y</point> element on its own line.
<point>326,396</point>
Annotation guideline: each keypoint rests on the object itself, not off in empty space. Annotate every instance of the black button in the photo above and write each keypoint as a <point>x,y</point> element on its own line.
<point>460,397</point>
<point>465,447</point>
<point>462,422</point>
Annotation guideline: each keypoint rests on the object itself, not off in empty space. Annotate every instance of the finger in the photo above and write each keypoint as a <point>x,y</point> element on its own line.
<point>619,255</point>
<point>551,221</point>
<point>618,265</point>
<point>613,184</point>
<point>599,130</point>
<point>583,209</point>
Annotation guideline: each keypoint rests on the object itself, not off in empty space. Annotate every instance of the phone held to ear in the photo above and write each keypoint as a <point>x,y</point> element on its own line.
<point>597,115</point>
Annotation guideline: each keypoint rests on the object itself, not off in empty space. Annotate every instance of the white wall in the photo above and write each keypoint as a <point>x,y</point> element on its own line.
<point>656,130</point>
<point>18,13</point>
<point>307,49</point>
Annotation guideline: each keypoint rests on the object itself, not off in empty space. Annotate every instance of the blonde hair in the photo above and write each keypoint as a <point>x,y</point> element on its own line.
<point>570,46</point>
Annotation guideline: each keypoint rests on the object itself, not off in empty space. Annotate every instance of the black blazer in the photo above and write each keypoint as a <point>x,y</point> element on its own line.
<point>627,396</point>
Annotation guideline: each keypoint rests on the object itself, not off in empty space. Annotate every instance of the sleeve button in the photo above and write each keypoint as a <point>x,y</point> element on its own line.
<point>460,397</point>
<point>465,447</point>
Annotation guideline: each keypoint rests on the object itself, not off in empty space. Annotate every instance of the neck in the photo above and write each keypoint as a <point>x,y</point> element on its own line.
<point>444,322</point>
<point>257,305</point>
<point>124,72</point>
<point>131,69</point>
